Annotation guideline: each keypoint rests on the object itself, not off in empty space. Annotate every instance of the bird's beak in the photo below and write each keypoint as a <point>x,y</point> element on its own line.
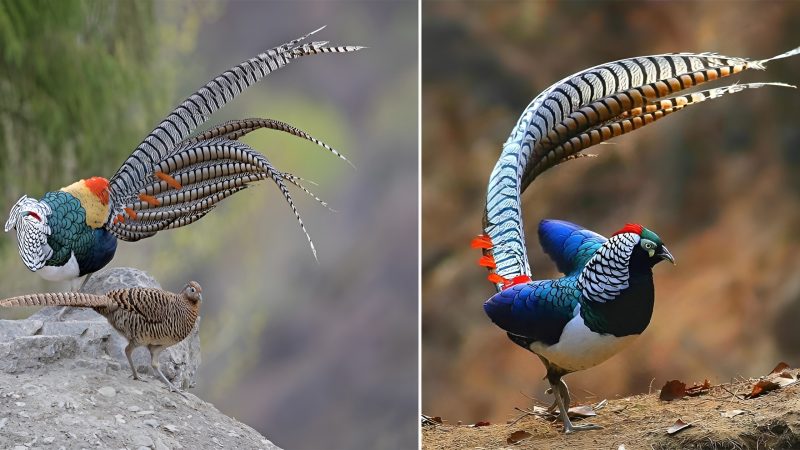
<point>665,254</point>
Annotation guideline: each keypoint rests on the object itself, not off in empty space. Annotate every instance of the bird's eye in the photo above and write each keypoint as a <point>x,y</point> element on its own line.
<point>191,289</point>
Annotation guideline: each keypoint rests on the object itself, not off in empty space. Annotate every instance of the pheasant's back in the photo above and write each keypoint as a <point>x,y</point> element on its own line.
<point>151,316</point>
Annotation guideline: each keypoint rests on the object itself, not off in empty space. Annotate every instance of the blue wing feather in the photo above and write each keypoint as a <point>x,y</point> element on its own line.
<point>538,310</point>
<point>570,246</point>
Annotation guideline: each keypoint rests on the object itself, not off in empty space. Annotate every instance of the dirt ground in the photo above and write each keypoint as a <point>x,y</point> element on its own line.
<point>771,421</point>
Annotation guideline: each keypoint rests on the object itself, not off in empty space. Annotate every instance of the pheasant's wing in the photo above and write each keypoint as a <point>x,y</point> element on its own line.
<point>537,311</point>
<point>570,246</point>
<point>164,140</point>
<point>593,105</point>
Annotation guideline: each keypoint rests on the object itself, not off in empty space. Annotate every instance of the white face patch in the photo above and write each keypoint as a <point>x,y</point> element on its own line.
<point>606,274</point>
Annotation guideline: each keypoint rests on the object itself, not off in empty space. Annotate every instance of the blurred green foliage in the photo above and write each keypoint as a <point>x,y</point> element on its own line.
<point>77,81</point>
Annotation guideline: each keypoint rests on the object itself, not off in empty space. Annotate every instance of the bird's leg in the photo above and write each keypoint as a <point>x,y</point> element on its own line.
<point>155,350</point>
<point>564,391</point>
<point>561,393</point>
<point>83,284</point>
<point>128,351</point>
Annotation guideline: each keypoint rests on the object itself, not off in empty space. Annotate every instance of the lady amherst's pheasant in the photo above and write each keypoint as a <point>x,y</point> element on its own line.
<point>605,298</point>
<point>170,180</point>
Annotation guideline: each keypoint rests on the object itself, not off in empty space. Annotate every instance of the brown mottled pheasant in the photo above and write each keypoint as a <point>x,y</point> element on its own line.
<point>147,317</point>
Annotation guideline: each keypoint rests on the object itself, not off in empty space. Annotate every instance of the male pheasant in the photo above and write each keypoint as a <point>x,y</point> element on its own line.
<point>169,181</point>
<point>606,297</point>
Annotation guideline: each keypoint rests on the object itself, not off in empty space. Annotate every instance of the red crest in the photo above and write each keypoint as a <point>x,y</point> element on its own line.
<point>630,228</point>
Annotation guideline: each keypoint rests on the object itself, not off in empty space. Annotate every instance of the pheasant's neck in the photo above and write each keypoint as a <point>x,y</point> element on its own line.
<point>627,314</point>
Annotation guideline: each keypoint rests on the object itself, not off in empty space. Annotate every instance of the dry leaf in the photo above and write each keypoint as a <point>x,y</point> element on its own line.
<point>672,390</point>
<point>518,436</point>
<point>779,368</point>
<point>678,426</point>
<point>581,411</point>
<point>762,387</point>
<point>732,413</point>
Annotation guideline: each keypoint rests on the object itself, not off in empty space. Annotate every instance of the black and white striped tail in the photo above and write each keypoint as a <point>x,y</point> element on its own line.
<point>585,109</point>
<point>172,179</point>
<point>196,109</point>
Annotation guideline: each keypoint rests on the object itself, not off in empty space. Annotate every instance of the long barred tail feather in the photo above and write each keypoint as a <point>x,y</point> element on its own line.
<point>171,179</point>
<point>165,139</point>
<point>582,110</point>
<point>77,299</point>
<point>188,184</point>
<point>297,181</point>
<point>235,129</point>
<point>629,121</point>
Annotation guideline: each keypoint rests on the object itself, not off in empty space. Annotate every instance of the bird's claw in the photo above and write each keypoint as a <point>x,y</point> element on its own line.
<point>582,427</point>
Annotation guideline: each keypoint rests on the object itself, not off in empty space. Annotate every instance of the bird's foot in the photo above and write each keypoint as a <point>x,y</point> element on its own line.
<point>176,390</point>
<point>169,385</point>
<point>582,427</point>
<point>136,377</point>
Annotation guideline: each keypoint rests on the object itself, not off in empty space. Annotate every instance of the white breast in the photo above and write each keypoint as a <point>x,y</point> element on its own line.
<point>580,348</point>
<point>68,271</point>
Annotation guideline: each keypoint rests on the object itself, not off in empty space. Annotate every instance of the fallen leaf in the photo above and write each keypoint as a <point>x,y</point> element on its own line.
<point>581,411</point>
<point>678,426</point>
<point>518,436</point>
<point>732,413</point>
<point>762,387</point>
<point>672,390</point>
<point>779,368</point>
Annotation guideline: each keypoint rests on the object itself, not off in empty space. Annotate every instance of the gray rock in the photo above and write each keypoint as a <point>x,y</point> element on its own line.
<point>108,391</point>
<point>10,329</point>
<point>74,382</point>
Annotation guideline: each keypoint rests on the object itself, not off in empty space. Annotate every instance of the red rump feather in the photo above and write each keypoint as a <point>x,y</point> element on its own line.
<point>630,228</point>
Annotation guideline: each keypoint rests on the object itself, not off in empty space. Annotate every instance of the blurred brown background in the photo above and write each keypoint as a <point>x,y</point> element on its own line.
<point>720,183</point>
<point>313,355</point>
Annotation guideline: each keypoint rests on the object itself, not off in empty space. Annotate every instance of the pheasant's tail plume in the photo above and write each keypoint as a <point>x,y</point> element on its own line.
<point>235,129</point>
<point>760,64</point>
<point>188,184</point>
<point>586,109</point>
<point>78,299</point>
<point>165,139</point>
<point>625,123</point>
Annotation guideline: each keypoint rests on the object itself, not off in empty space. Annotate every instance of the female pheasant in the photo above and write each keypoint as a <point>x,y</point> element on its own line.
<point>169,181</point>
<point>606,297</point>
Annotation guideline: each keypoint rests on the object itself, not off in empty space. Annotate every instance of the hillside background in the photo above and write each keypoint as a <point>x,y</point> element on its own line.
<point>313,355</point>
<point>720,183</point>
